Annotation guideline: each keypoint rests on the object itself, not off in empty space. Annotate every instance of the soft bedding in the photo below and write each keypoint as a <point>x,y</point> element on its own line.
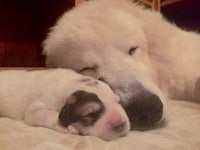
<point>181,133</point>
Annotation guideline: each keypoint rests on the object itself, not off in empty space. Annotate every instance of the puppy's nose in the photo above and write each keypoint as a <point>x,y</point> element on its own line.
<point>145,111</point>
<point>118,127</point>
<point>116,122</point>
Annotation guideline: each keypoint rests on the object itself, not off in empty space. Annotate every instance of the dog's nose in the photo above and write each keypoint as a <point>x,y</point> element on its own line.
<point>145,111</point>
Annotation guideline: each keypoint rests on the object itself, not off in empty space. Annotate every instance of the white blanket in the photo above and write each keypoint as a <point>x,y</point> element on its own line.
<point>181,133</point>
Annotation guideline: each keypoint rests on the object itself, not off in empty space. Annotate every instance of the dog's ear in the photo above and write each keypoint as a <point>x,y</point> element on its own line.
<point>67,114</point>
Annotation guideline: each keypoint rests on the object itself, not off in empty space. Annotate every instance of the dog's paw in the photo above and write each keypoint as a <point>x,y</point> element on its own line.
<point>67,130</point>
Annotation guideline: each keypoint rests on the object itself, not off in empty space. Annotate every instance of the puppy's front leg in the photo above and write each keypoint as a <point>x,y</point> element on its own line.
<point>38,114</point>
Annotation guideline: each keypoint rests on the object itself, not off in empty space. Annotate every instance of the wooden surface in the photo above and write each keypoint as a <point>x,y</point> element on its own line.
<point>22,68</point>
<point>78,1</point>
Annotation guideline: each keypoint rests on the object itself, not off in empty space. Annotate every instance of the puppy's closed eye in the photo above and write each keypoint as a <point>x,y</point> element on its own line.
<point>86,120</point>
<point>91,114</point>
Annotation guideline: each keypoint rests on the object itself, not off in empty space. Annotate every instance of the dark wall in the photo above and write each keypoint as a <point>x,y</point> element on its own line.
<point>24,24</point>
<point>186,14</point>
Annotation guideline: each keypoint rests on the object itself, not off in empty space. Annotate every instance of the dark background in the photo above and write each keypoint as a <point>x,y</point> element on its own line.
<point>24,24</point>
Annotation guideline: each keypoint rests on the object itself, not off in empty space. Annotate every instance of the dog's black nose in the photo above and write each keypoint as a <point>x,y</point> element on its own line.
<point>144,111</point>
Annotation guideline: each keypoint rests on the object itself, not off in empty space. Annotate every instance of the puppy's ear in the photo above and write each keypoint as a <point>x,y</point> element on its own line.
<point>77,108</point>
<point>66,116</point>
<point>72,110</point>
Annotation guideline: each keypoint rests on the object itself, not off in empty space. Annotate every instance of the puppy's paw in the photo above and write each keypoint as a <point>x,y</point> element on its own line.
<point>67,130</point>
<point>72,130</point>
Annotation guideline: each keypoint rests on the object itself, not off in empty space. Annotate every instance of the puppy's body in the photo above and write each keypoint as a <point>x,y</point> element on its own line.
<point>18,89</point>
<point>40,98</point>
<point>139,54</point>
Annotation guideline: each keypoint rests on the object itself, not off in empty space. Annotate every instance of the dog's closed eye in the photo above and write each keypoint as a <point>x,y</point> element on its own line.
<point>132,50</point>
<point>93,68</point>
<point>89,71</point>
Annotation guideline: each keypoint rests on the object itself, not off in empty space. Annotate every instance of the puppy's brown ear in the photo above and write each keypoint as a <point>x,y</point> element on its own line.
<point>66,116</point>
<point>76,108</point>
<point>72,110</point>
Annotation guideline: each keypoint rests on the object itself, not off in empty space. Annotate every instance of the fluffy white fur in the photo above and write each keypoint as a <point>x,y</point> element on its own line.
<point>95,39</point>
<point>38,96</point>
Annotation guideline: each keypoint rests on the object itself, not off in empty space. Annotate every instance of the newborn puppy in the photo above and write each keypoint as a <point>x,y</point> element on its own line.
<point>64,101</point>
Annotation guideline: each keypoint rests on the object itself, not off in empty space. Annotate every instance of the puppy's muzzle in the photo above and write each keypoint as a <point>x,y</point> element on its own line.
<point>116,122</point>
<point>144,111</point>
<point>119,127</point>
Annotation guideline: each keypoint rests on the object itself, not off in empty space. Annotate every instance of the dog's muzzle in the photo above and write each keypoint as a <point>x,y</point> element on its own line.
<point>144,110</point>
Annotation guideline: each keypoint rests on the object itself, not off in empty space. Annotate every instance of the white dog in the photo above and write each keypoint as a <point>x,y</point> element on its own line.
<point>136,51</point>
<point>62,100</point>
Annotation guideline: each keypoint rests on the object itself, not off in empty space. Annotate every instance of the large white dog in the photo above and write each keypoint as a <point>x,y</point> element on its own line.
<point>136,51</point>
<point>64,101</point>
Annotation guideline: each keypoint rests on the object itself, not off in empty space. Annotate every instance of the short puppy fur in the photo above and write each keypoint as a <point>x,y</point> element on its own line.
<point>64,101</point>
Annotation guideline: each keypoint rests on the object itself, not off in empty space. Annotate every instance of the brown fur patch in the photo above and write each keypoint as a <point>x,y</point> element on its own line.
<point>197,89</point>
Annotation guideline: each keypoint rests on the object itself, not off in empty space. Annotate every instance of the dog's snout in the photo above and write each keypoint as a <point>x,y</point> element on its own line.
<point>152,111</point>
<point>145,111</point>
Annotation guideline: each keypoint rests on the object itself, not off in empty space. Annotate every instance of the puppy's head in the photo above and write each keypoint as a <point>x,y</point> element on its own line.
<point>91,115</point>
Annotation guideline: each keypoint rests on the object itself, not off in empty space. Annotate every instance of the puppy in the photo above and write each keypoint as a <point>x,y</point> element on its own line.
<point>64,101</point>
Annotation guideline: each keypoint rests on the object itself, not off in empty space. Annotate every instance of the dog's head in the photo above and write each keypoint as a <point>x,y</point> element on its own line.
<point>113,46</point>
<point>96,113</point>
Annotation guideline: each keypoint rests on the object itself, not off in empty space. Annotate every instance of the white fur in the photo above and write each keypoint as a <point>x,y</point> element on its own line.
<point>38,96</point>
<point>98,34</point>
